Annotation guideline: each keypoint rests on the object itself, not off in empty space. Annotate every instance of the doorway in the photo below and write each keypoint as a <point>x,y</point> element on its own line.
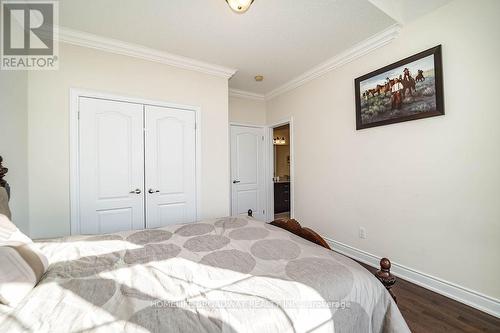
<point>254,174</point>
<point>281,171</point>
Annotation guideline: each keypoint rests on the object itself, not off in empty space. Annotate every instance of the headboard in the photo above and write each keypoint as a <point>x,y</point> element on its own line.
<point>3,172</point>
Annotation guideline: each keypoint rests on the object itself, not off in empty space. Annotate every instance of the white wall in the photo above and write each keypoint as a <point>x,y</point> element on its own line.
<point>48,119</point>
<point>247,111</point>
<point>427,191</point>
<point>14,141</point>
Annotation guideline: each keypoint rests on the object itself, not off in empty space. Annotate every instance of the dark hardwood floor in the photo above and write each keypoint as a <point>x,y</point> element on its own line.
<point>426,311</point>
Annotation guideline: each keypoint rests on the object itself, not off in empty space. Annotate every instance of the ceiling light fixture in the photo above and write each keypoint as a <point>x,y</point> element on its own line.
<point>239,6</point>
<point>259,78</point>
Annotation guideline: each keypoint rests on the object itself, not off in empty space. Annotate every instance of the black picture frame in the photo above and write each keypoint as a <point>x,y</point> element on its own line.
<point>368,119</point>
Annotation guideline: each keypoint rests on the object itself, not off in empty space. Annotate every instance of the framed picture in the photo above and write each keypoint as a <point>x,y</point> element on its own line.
<point>409,89</point>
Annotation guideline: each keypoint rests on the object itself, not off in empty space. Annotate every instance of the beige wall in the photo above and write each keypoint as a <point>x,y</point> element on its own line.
<point>247,111</point>
<point>48,119</point>
<point>427,191</point>
<point>14,141</point>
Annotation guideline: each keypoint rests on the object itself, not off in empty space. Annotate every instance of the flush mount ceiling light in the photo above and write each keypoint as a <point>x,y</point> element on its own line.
<point>239,6</point>
<point>259,78</point>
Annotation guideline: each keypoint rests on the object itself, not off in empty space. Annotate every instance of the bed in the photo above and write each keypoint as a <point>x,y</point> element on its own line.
<point>230,274</point>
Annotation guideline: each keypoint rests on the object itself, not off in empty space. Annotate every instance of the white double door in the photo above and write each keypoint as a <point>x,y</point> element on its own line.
<point>137,166</point>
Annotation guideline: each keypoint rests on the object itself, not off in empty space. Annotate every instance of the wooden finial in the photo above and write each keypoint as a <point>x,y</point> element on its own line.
<point>3,172</point>
<point>384,275</point>
<point>385,265</point>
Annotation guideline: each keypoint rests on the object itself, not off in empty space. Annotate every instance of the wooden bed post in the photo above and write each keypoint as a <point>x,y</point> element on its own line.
<point>3,182</point>
<point>385,276</point>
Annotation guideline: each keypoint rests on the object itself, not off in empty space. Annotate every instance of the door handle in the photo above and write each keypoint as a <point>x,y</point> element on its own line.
<point>137,191</point>
<point>236,181</point>
<point>151,191</point>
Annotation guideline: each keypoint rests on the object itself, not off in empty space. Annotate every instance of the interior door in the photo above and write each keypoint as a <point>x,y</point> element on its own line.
<point>247,171</point>
<point>111,166</point>
<point>170,163</point>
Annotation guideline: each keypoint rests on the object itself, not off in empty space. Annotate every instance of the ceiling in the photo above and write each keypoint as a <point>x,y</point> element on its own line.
<point>279,39</point>
<point>404,11</point>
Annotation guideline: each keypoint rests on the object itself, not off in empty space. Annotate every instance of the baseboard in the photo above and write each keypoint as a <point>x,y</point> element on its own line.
<point>461,294</point>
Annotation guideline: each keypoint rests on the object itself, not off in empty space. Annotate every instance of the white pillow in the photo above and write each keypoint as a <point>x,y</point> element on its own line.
<point>10,233</point>
<point>22,265</point>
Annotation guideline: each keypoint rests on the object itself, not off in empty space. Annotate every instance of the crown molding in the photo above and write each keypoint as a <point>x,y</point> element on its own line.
<point>368,45</point>
<point>79,38</point>
<point>246,94</point>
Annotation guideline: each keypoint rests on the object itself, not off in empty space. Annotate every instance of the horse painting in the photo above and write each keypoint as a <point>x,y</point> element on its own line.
<point>405,90</point>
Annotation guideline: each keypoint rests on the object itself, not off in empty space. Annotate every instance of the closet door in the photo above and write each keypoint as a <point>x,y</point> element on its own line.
<point>111,166</point>
<point>170,163</point>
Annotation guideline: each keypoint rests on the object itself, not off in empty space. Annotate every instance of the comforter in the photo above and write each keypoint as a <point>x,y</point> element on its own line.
<point>224,275</point>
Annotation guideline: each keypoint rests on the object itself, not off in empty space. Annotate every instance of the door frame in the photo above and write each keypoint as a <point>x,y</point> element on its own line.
<point>266,162</point>
<point>74,143</point>
<point>270,168</point>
